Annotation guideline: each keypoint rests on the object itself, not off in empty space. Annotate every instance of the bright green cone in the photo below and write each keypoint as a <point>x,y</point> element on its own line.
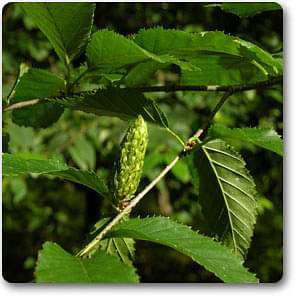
<point>131,160</point>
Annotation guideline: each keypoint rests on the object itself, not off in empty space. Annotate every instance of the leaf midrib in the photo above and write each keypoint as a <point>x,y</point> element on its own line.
<point>67,58</point>
<point>225,201</point>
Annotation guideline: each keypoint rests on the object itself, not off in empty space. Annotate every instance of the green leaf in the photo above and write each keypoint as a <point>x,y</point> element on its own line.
<point>116,102</point>
<point>15,165</point>
<point>185,45</point>
<point>66,25</point>
<point>87,178</point>
<point>142,73</point>
<point>193,172</point>
<point>221,52</point>
<point>261,137</point>
<point>55,265</point>
<point>249,9</point>
<point>203,250</point>
<point>123,248</point>
<point>222,70</point>
<point>18,188</point>
<point>227,194</point>
<point>41,115</point>
<point>111,51</point>
<point>181,171</point>
<point>37,84</point>
<point>83,153</point>
<point>262,59</point>
<point>263,204</point>
<point>23,68</point>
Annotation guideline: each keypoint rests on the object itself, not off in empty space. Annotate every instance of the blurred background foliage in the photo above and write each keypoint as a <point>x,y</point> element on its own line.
<point>40,209</point>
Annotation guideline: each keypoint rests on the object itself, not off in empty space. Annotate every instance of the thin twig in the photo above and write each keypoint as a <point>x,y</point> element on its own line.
<point>213,88</point>
<point>23,104</point>
<point>173,88</point>
<point>216,109</point>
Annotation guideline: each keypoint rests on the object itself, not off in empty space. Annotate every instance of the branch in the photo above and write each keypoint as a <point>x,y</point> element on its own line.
<point>94,243</point>
<point>23,104</point>
<point>173,88</point>
<point>213,88</point>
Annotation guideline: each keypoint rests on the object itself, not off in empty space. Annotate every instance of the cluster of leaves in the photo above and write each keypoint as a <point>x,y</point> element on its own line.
<point>121,71</point>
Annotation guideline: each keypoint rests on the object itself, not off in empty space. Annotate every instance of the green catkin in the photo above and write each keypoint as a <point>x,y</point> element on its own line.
<point>129,167</point>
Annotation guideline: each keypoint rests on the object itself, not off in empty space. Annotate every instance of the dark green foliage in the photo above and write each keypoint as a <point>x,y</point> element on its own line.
<point>93,81</point>
<point>35,84</point>
<point>123,103</point>
<point>41,116</point>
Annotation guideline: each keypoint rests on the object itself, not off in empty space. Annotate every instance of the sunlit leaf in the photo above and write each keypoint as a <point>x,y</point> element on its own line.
<point>227,194</point>
<point>15,165</point>
<point>110,51</point>
<point>55,265</point>
<point>223,58</point>
<point>67,26</point>
<point>249,9</point>
<point>261,137</point>
<point>205,251</point>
